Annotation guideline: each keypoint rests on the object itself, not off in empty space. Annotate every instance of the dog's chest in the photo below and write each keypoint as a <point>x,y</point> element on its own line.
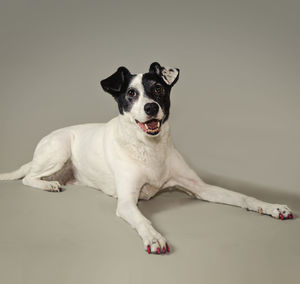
<point>151,161</point>
<point>156,176</point>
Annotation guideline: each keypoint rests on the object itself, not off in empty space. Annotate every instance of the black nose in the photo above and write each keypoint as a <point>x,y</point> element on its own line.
<point>151,109</point>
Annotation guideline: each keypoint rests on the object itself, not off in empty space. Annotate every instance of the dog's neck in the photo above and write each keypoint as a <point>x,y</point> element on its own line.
<point>140,145</point>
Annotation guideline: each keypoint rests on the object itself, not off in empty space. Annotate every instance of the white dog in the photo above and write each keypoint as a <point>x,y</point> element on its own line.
<point>131,157</point>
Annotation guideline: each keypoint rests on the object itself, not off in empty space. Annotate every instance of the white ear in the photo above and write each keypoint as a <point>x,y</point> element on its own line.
<point>169,75</point>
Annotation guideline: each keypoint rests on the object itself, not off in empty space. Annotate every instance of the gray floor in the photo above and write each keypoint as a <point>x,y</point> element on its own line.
<point>75,237</point>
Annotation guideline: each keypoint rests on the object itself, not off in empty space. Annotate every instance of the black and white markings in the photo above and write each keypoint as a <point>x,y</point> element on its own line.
<point>136,93</point>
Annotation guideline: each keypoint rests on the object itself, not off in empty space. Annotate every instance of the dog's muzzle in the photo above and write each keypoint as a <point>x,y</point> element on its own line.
<point>151,126</point>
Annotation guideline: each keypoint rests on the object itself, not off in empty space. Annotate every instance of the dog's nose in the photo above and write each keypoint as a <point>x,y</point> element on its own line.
<point>151,109</point>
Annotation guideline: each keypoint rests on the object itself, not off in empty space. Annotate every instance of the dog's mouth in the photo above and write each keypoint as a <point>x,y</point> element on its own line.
<point>151,126</point>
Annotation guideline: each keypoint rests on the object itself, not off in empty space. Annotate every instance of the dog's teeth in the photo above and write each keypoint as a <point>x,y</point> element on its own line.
<point>146,126</point>
<point>158,124</point>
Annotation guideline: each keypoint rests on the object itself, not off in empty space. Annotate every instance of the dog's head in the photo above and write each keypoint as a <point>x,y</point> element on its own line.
<point>144,99</point>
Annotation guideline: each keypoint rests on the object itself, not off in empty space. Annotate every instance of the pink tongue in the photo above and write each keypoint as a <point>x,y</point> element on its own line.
<point>152,125</point>
<point>142,125</point>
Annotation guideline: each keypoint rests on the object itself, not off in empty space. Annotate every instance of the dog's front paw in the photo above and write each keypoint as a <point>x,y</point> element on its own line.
<point>156,245</point>
<point>153,241</point>
<point>278,211</point>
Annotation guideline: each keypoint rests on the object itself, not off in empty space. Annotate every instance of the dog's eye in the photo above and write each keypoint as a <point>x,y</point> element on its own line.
<point>158,89</point>
<point>131,93</point>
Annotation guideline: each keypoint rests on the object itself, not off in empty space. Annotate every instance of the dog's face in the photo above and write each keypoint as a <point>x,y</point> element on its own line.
<point>144,99</point>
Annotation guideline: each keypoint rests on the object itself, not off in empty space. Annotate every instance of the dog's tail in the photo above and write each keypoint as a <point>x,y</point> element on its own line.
<point>19,173</point>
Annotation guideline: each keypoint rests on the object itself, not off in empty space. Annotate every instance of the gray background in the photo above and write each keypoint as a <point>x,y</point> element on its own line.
<point>234,116</point>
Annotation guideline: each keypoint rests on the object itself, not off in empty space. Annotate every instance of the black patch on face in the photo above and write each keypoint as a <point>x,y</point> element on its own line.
<point>155,88</point>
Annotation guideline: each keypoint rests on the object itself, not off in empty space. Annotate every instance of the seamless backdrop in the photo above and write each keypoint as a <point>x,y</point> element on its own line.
<point>235,109</point>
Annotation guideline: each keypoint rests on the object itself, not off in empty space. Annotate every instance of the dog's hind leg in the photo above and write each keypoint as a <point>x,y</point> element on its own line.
<point>38,183</point>
<point>50,156</point>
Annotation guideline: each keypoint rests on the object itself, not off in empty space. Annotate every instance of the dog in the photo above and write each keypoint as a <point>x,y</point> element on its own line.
<point>131,157</point>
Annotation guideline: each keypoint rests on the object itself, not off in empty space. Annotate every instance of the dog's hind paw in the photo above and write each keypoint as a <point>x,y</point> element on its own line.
<point>53,186</point>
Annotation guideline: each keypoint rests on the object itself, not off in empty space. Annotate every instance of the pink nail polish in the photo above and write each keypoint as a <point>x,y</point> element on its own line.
<point>168,249</point>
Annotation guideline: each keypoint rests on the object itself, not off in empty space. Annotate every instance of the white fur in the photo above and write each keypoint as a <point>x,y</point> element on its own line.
<point>124,162</point>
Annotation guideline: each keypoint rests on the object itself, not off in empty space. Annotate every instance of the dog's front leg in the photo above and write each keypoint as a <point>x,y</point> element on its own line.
<point>128,192</point>
<point>184,177</point>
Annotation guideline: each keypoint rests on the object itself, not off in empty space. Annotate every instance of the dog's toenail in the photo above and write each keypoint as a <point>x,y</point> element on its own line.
<point>168,249</point>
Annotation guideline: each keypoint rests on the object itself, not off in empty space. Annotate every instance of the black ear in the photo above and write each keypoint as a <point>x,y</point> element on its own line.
<point>117,83</point>
<point>155,68</point>
<point>169,75</point>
